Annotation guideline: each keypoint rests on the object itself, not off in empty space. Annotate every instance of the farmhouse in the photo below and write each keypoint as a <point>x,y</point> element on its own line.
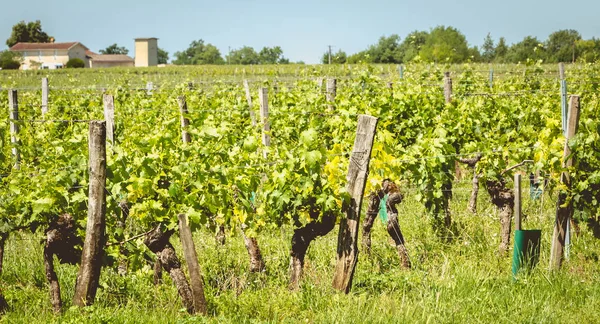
<point>56,56</point>
<point>49,55</point>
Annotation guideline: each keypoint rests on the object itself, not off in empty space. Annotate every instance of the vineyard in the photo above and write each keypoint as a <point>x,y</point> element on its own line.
<point>298,193</point>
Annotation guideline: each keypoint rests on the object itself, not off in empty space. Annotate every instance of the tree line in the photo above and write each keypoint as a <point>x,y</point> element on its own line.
<point>200,52</point>
<point>447,44</point>
<point>440,45</point>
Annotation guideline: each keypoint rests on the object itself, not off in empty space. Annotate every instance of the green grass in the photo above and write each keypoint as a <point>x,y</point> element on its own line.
<point>461,281</point>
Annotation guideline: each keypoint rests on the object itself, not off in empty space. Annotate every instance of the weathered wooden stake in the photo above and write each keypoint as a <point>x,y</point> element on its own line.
<point>185,233</point>
<point>491,78</point>
<point>347,250</point>
<point>249,99</point>
<point>447,87</point>
<point>517,202</point>
<point>401,71</point>
<point>564,208</point>
<point>331,92</point>
<point>13,106</point>
<point>149,88</point>
<point>263,98</point>
<point>93,247</point>
<point>561,70</point>
<point>191,258</point>
<point>44,96</point>
<point>109,117</point>
<point>185,122</point>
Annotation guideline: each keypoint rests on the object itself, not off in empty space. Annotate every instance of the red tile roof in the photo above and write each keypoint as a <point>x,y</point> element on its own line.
<point>44,46</point>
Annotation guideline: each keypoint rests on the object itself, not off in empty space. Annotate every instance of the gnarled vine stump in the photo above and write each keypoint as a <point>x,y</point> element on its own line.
<point>158,242</point>
<point>504,199</point>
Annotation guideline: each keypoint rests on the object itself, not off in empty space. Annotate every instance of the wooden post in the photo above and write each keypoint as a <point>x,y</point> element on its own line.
<point>191,258</point>
<point>249,99</point>
<point>331,92</point>
<point>401,71</point>
<point>561,70</point>
<point>263,98</point>
<point>149,88</point>
<point>491,78</point>
<point>347,250</point>
<point>44,96</point>
<point>13,106</point>
<point>185,233</point>
<point>109,117</point>
<point>517,202</point>
<point>564,208</point>
<point>447,87</point>
<point>93,247</point>
<point>320,84</point>
<point>185,122</point>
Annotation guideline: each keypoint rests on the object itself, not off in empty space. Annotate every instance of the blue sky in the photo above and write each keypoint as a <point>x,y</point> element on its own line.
<point>302,28</point>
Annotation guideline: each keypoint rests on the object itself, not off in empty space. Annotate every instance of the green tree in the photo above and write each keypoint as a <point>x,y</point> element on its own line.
<point>488,51</point>
<point>272,55</point>
<point>445,44</point>
<point>336,58</point>
<point>30,32</point>
<point>561,45</point>
<point>529,48</point>
<point>360,57</point>
<point>411,46</point>
<point>588,50</point>
<point>163,56</point>
<point>501,50</point>
<point>115,49</point>
<point>9,60</point>
<point>387,50</point>
<point>245,55</point>
<point>473,54</point>
<point>199,53</point>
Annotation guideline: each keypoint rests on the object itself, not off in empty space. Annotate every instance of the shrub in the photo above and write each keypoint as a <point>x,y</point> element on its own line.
<point>9,65</point>
<point>75,63</point>
<point>9,60</point>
